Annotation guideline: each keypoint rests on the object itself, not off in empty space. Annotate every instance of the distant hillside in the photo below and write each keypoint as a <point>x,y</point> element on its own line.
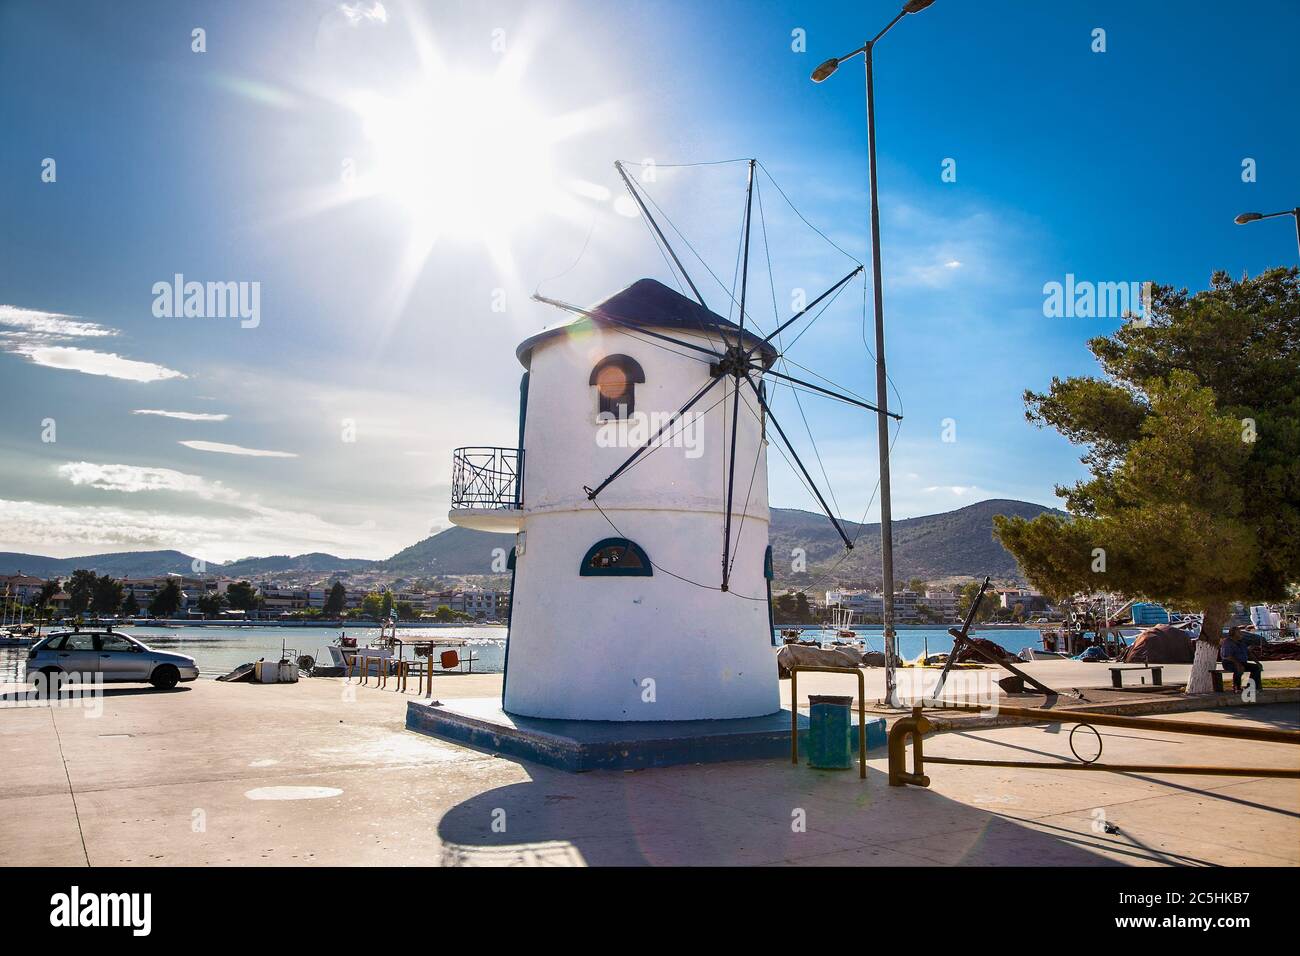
<point>121,564</point>
<point>314,563</point>
<point>453,551</point>
<point>955,543</point>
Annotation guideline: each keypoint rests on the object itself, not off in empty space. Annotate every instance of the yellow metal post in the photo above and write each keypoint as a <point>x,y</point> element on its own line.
<point>914,726</point>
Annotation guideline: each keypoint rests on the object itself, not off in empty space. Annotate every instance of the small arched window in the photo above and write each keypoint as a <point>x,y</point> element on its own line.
<point>615,378</point>
<point>616,557</point>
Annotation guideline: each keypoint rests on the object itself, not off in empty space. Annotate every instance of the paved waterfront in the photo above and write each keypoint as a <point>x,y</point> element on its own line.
<point>319,773</point>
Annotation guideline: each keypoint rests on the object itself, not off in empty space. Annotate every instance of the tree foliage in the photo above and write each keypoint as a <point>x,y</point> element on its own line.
<point>81,589</point>
<point>988,606</point>
<point>242,596</point>
<point>46,594</point>
<point>372,605</point>
<point>106,595</point>
<point>1192,441</point>
<point>335,600</point>
<point>211,603</point>
<point>167,600</point>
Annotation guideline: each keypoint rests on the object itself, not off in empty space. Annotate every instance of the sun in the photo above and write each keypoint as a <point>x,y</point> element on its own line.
<point>465,157</point>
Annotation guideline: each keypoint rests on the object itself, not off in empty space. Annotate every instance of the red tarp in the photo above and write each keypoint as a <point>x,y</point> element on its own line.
<point>1162,644</point>
<point>1278,651</point>
<point>967,654</point>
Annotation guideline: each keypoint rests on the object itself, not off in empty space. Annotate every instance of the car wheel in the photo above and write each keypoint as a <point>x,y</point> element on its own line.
<point>165,677</point>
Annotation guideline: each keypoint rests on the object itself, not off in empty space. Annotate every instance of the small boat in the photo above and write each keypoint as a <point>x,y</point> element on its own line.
<point>843,634</point>
<point>344,650</point>
<point>18,635</point>
<point>388,647</point>
<point>1029,655</point>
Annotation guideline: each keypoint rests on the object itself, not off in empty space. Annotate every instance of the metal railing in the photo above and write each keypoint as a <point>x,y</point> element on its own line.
<point>487,478</point>
<point>915,726</point>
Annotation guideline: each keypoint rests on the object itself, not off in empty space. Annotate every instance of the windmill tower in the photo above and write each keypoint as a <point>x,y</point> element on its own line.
<point>620,607</point>
<point>609,620</point>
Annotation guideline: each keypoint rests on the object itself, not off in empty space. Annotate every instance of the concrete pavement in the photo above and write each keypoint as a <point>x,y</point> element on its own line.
<point>323,773</point>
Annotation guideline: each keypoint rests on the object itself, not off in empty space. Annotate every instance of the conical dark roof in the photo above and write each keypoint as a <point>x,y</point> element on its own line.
<point>649,304</point>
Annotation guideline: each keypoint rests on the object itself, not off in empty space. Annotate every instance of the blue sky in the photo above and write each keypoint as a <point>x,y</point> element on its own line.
<point>377,318</point>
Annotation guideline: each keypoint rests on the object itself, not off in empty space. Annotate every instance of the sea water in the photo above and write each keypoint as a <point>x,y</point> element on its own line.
<point>219,650</point>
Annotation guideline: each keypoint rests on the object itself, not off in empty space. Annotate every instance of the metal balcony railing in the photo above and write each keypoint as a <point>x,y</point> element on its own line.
<point>487,478</point>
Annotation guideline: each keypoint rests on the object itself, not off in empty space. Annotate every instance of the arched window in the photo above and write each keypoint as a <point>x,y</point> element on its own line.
<point>615,378</point>
<point>616,557</point>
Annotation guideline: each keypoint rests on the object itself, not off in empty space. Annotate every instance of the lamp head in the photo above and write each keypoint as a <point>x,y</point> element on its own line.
<point>916,6</point>
<point>826,69</point>
<point>1246,217</point>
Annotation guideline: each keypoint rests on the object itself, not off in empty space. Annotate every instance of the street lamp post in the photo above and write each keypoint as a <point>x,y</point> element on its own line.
<point>1246,217</point>
<point>882,398</point>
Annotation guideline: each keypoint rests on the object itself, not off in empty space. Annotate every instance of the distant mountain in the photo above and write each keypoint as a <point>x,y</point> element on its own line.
<point>951,544</point>
<point>453,551</point>
<point>120,564</point>
<point>314,563</point>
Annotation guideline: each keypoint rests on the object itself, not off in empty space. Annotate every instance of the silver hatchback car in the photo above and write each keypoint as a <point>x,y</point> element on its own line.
<point>109,657</point>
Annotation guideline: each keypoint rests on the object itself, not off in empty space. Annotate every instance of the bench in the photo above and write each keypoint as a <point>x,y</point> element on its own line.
<point>1219,672</point>
<point>1117,674</point>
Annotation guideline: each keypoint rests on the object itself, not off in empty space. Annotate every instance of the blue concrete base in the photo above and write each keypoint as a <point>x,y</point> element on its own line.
<point>580,745</point>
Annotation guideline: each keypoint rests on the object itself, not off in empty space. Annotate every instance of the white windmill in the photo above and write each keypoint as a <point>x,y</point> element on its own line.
<point>644,424</point>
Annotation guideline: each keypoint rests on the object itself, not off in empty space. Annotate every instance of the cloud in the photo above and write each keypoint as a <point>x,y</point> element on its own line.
<point>50,528</point>
<point>183,416</point>
<point>36,334</point>
<point>961,491</point>
<point>356,12</point>
<point>132,479</point>
<point>224,449</point>
<point>242,525</point>
<point>91,362</point>
<point>35,324</point>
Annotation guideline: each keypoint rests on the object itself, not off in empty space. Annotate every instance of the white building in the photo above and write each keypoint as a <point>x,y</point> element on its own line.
<point>871,604</point>
<point>941,602</point>
<point>861,602</point>
<point>616,612</point>
<point>21,588</point>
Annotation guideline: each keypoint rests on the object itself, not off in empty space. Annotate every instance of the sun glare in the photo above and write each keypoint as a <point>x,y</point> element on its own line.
<point>469,158</point>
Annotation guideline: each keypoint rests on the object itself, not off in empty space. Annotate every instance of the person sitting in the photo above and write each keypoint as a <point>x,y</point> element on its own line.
<point>1235,654</point>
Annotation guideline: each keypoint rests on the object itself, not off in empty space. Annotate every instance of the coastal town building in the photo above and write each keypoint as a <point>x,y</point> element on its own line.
<point>192,588</point>
<point>484,604</point>
<point>943,603</point>
<point>1029,601</point>
<point>22,588</point>
<point>908,605</point>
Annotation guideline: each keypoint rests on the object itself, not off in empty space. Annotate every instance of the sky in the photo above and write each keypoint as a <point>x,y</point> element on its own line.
<point>390,182</point>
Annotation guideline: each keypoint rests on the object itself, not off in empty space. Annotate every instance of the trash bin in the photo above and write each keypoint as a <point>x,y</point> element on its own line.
<point>830,728</point>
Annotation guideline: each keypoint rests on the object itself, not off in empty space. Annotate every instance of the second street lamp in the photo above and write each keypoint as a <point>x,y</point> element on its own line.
<point>824,72</point>
<point>1246,217</point>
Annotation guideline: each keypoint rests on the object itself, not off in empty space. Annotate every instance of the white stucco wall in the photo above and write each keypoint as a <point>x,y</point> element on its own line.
<point>585,647</point>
